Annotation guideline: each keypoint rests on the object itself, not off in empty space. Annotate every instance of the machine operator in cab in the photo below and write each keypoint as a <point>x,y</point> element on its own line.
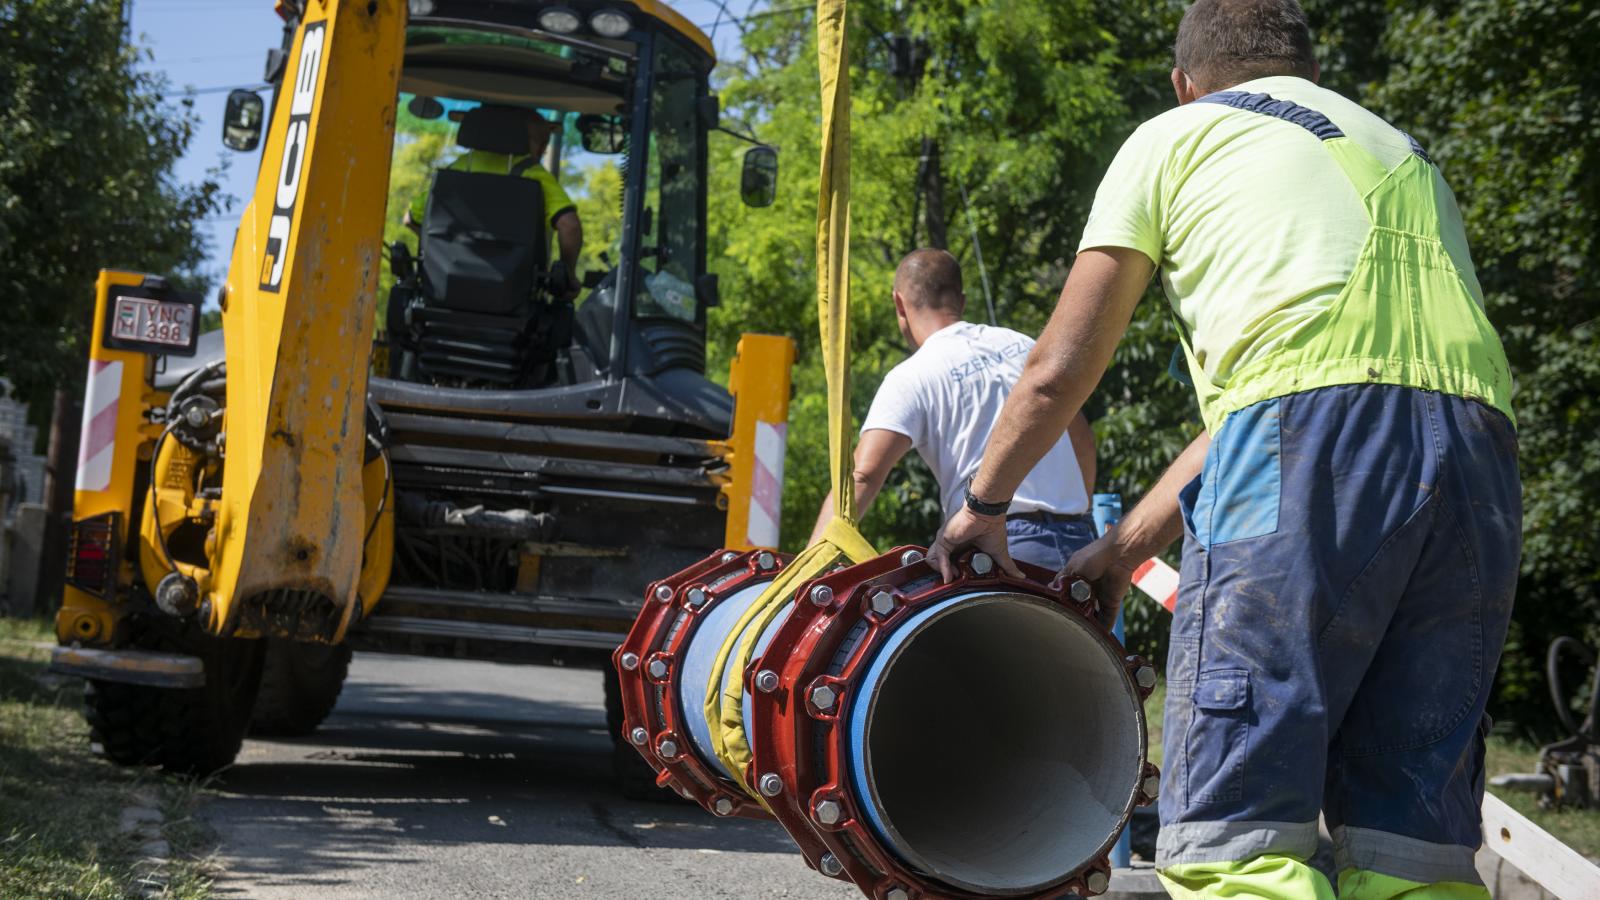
<point>1351,513</point>
<point>560,214</point>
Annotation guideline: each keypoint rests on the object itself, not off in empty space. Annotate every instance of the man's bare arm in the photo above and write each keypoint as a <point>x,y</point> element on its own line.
<point>569,239</point>
<point>876,455</point>
<point>1083,449</point>
<point>1096,303</point>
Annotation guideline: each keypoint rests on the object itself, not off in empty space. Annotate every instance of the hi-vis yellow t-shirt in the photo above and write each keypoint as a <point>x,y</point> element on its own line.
<point>1249,209</point>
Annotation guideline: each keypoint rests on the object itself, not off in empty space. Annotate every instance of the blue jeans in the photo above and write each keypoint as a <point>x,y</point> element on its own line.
<point>1048,543</point>
<point>1349,562</point>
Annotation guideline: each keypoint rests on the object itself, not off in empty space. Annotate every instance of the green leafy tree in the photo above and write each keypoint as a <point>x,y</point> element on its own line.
<point>87,148</point>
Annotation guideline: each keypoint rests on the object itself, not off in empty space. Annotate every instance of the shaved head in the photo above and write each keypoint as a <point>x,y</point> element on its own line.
<point>930,279</point>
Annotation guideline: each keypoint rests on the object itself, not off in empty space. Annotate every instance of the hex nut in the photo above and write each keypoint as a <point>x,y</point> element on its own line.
<point>911,557</point>
<point>1151,786</point>
<point>982,563</point>
<point>1081,591</point>
<point>723,806</point>
<point>830,865</point>
<point>696,597</point>
<point>630,661</point>
<point>823,697</point>
<point>766,681</point>
<point>821,595</point>
<point>638,736</point>
<point>1146,676</point>
<point>765,560</point>
<point>770,785</point>
<point>828,812</point>
<point>657,668</point>
<point>896,893</point>
<point>1097,882</point>
<point>881,602</point>
<point>663,593</point>
<point>668,749</point>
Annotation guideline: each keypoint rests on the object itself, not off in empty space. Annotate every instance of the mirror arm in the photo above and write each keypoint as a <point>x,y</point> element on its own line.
<point>747,138</point>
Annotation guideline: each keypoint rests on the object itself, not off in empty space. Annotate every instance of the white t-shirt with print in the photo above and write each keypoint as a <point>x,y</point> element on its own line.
<point>947,397</point>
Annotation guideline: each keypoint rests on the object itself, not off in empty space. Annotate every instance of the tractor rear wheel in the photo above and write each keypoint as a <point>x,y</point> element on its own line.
<point>190,731</point>
<point>300,683</point>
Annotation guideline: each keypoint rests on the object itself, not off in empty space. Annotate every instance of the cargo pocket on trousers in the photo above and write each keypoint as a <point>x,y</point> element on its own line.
<point>1218,738</point>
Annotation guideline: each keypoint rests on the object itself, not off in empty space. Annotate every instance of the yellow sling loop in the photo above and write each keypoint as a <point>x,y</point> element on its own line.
<point>840,541</point>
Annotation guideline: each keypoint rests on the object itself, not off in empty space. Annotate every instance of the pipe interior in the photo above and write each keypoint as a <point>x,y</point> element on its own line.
<point>1000,743</point>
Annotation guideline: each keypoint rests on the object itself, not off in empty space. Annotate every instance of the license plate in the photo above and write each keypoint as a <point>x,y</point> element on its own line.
<point>149,321</point>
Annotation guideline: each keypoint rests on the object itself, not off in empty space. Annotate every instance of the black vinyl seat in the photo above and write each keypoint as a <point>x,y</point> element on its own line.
<point>480,312</point>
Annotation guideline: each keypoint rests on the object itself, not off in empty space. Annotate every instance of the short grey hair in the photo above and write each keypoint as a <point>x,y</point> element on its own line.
<point>1222,43</point>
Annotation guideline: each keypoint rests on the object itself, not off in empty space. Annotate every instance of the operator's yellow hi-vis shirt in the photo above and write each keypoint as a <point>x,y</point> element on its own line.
<point>556,200</point>
<point>1303,242</point>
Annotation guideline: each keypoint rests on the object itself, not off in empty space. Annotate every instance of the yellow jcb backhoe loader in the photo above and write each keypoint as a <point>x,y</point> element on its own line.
<point>500,474</point>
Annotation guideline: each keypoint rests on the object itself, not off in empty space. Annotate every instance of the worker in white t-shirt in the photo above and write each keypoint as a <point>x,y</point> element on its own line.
<point>943,400</point>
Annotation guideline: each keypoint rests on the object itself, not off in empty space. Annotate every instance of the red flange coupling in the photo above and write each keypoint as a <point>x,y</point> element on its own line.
<point>974,739</point>
<point>657,672</point>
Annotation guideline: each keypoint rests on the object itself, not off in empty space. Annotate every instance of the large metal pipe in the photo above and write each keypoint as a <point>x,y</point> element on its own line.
<point>981,738</point>
<point>1033,711</point>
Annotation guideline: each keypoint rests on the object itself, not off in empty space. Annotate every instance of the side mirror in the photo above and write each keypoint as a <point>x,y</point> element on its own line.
<point>602,134</point>
<point>241,122</point>
<point>758,182</point>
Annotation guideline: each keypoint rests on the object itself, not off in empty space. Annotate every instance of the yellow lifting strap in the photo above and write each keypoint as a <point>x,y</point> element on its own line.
<point>840,541</point>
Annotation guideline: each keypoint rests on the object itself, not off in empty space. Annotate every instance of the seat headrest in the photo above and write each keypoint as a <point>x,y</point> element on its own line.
<point>495,129</point>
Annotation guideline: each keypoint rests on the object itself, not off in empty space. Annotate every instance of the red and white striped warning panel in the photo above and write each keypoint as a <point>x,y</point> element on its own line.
<point>766,494</point>
<point>1159,581</point>
<point>98,443</point>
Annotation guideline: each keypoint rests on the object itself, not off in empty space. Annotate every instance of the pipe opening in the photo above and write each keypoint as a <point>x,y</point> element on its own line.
<point>999,745</point>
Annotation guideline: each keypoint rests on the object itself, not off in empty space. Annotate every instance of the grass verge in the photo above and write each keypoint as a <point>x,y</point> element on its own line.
<point>60,804</point>
<point>1578,829</point>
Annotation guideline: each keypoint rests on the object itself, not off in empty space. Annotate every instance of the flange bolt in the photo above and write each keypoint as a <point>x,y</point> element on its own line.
<point>770,785</point>
<point>630,661</point>
<point>696,597</point>
<point>723,806</point>
<point>663,593</point>
<point>830,865</point>
<point>911,557</point>
<point>897,893</point>
<point>823,697</point>
<point>881,601</point>
<point>828,811</point>
<point>1146,676</point>
<point>821,595</point>
<point>766,681</point>
<point>765,560</point>
<point>1081,591</point>
<point>1097,882</point>
<point>669,749</point>
<point>729,556</point>
<point>1151,786</point>
<point>638,736</point>
<point>657,668</point>
<point>982,563</point>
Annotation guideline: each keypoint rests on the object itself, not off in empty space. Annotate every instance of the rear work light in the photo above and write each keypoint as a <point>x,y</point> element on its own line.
<point>93,551</point>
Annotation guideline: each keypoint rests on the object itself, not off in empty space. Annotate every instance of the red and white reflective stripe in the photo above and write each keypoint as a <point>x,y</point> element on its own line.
<point>766,492</point>
<point>1159,581</point>
<point>98,442</point>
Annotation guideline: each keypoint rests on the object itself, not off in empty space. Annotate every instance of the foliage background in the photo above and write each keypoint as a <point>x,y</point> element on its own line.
<point>87,147</point>
<point>1027,100</point>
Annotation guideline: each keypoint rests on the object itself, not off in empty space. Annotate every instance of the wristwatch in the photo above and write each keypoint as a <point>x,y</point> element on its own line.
<point>983,507</point>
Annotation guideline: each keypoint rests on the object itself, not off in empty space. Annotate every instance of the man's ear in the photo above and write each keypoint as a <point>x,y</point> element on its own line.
<point>1184,87</point>
<point>1316,72</point>
<point>900,305</point>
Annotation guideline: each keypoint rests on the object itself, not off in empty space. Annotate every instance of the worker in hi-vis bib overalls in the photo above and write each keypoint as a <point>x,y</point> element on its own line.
<point>1351,514</point>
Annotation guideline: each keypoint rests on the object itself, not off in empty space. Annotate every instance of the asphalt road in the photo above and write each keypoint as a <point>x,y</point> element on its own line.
<point>437,778</point>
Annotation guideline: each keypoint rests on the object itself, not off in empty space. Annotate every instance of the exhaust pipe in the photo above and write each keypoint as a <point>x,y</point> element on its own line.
<point>979,738</point>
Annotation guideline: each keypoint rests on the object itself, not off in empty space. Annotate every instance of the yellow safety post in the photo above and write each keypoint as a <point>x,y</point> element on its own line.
<point>840,541</point>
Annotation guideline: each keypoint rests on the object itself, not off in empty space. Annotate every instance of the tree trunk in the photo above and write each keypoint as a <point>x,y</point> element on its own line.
<point>933,187</point>
<point>60,474</point>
